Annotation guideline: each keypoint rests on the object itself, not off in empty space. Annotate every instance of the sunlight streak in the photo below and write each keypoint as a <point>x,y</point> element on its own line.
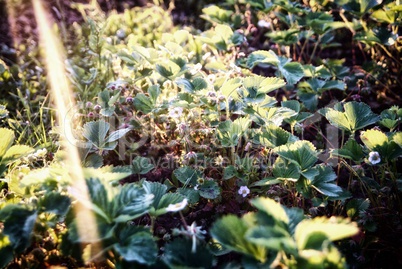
<point>53,53</point>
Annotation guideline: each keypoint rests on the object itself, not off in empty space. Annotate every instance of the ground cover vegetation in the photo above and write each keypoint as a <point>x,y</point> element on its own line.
<point>210,134</point>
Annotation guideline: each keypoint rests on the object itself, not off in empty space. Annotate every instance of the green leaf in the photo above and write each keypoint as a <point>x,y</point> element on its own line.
<point>268,181</point>
<point>178,254</point>
<point>333,229</point>
<point>275,238</point>
<point>209,190</point>
<point>168,70</point>
<point>285,170</point>
<point>3,111</point>
<point>117,204</point>
<point>7,139</point>
<point>295,215</point>
<point>310,100</point>
<point>143,103</point>
<point>333,84</point>
<point>292,72</point>
<point>284,37</point>
<point>300,116</point>
<point>324,182</point>
<point>107,102</point>
<point>224,33</point>
<point>273,136</point>
<point>231,231</point>
<point>376,140</point>
<point>302,153</point>
<point>262,84</point>
<point>228,89</point>
<point>187,175</point>
<point>262,56</point>
<point>366,5</point>
<point>230,132</point>
<point>98,198</point>
<point>6,250</point>
<point>18,225</point>
<point>108,173</point>
<point>192,195</point>
<point>54,202</point>
<point>216,14</point>
<point>138,246</point>
<point>116,135</point>
<point>229,172</point>
<point>271,208</point>
<point>156,189</point>
<point>166,200</point>
<point>130,203</point>
<point>355,207</point>
<point>161,199</point>
<point>142,165</point>
<point>351,150</point>
<point>93,160</point>
<point>355,116</point>
<point>269,115</point>
<point>360,7</point>
<point>16,152</point>
<point>96,131</point>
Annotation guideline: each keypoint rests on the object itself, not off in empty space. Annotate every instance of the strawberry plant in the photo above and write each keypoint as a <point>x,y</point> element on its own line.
<point>260,134</point>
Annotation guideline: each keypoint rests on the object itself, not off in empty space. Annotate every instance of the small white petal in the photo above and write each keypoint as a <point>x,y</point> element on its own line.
<point>178,206</point>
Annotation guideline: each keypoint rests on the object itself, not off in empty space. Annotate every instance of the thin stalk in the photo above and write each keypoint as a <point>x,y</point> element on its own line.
<point>152,224</point>
<point>302,50</point>
<point>315,49</point>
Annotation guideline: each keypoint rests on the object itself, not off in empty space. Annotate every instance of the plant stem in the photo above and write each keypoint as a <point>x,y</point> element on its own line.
<point>315,49</point>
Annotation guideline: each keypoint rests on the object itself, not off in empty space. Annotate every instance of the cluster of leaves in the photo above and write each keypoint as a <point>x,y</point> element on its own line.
<point>153,97</point>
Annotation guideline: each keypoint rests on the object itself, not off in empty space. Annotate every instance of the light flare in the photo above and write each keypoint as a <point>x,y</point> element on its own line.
<point>54,56</point>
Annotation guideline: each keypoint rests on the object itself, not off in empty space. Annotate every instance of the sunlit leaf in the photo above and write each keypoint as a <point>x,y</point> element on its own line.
<point>275,238</point>
<point>376,140</point>
<point>7,139</point>
<point>143,103</point>
<point>168,69</point>
<point>108,173</point>
<point>230,86</point>
<point>355,116</point>
<point>302,153</point>
<point>216,14</point>
<point>273,136</point>
<point>262,56</point>
<point>333,229</point>
<point>230,231</point>
<point>271,208</point>
<point>15,152</point>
